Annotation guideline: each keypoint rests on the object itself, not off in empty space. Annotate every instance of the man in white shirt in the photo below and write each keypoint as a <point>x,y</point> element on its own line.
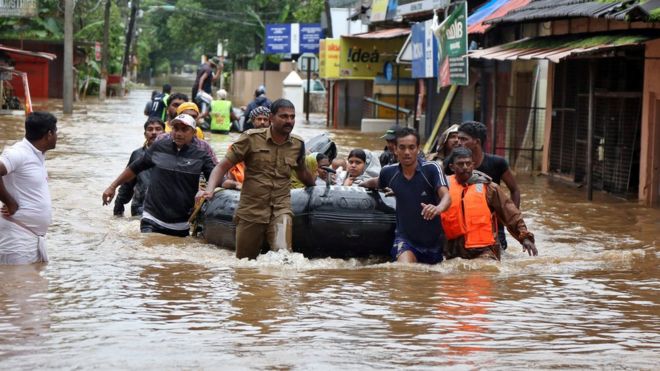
<point>26,206</point>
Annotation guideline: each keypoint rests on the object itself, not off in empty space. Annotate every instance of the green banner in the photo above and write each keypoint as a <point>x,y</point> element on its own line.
<point>453,47</point>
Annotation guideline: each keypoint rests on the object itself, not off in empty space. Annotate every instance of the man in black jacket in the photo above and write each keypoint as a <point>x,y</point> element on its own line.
<point>134,191</point>
<point>177,165</point>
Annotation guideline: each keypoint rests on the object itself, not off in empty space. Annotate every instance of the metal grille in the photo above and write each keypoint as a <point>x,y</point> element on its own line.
<point>617,117</point>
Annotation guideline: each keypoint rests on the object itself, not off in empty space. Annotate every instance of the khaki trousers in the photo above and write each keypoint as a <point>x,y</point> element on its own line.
<point>250,236</point>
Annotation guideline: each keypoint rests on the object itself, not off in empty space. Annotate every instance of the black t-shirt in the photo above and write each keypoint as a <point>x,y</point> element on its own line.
<point>494,166</point>
<point>206,86</point>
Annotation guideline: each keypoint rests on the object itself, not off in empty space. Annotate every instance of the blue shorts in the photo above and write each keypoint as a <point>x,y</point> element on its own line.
<point>423,255</point>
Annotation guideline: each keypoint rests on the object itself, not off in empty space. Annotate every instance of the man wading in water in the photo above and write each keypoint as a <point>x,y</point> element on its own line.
<point>270,154</point>
<point>421,195</point>
<point>477,204</point>
<point>177,164</point>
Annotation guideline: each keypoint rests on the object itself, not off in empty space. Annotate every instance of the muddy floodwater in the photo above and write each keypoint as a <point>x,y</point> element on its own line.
<point>112,298</point>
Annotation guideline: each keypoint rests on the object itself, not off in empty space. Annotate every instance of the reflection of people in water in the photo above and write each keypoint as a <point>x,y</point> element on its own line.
<point>262,299</point>
<point>463,310</point>
<point>23,306</point>
<point>177,289</point>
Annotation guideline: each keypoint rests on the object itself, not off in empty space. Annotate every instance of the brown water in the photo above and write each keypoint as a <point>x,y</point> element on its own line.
<point>112,298</point>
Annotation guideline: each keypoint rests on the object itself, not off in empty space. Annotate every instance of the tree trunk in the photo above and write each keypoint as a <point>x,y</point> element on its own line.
<point>106,50</point>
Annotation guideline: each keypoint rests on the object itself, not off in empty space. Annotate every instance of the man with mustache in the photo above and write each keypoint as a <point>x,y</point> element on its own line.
<point>177,165</point>
<point>477,205</point>
<point>270,154</point>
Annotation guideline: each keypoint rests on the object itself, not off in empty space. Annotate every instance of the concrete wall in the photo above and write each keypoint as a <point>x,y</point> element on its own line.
<point>244,83</point>
<point>649,167</point>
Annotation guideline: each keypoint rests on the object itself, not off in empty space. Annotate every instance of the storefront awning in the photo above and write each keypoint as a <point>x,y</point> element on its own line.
<point>556,48</point>
<point>391,33</point>
<point>43,55</point>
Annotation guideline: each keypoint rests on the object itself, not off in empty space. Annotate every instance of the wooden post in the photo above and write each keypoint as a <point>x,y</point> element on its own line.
<point>67,94</point>
<point>590,133</point>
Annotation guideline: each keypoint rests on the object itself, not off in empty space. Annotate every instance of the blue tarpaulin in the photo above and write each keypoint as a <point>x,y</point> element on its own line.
<point>484,11</point>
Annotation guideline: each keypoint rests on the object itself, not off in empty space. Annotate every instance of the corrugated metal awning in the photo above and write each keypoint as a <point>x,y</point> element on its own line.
<point>543,10</point>
<point>43,55</point>
<point>556,48</point>
<point>381,34</point>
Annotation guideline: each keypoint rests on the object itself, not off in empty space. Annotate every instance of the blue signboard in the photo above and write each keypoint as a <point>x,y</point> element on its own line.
<point>310,35</point>
<point>293,38</point>
<point>278,38</point>
<point>424,51</point>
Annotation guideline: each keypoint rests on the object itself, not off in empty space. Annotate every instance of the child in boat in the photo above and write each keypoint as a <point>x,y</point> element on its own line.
<point>339,165</point>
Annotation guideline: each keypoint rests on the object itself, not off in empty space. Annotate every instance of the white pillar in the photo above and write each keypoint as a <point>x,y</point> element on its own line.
<point>292,89</point>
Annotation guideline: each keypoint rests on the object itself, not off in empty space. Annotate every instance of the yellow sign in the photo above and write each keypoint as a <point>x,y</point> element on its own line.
<point>329,59</point>
<point>379,10</point>
<point>365,58</point>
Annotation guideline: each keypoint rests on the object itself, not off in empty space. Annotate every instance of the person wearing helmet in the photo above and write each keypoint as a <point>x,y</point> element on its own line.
<point>260,100</point>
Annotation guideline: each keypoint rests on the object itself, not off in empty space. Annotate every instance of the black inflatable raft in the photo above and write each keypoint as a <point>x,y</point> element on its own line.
<point>335,221</point>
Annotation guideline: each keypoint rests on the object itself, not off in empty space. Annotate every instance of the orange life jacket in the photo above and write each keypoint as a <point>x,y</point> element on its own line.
<point>469,215</point>
<point>238,171</point>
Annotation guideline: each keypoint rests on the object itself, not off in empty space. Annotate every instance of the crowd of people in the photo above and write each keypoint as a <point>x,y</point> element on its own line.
<point>448,204</point>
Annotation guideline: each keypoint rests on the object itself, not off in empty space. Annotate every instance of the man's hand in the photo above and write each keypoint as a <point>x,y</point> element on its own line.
<point>108,195</point>
<point>203,194</point>
<point>529,247</point>
<point>9,208</point>
<point>430,211</point>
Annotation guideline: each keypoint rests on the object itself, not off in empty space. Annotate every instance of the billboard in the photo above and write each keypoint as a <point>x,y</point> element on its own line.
<point>329,53</point>
<point>365,58</point>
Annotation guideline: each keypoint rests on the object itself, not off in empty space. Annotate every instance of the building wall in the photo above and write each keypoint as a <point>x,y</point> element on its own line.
<point>649,174</point>
<point>244,83</point>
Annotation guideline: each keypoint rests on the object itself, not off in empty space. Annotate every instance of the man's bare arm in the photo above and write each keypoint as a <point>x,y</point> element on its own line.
<point>126,176</point>
<point>10,204</point>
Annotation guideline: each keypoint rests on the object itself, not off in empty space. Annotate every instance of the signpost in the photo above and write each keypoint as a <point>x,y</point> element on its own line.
<point>424,51</point>
<point>293,38</point>
<point>309,62</point>
<point>452,47</point>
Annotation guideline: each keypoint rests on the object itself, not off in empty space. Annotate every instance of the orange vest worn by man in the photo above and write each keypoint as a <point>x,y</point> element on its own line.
<point>470,223</point>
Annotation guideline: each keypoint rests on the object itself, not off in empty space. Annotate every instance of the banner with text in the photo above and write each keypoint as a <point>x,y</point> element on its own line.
<point>452,48</point>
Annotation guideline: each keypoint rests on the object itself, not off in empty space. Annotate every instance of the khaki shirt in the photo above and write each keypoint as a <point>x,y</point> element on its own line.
<point>265,193</point>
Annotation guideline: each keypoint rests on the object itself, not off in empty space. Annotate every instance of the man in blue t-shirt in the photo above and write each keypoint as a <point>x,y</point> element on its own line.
<point>421,193</point>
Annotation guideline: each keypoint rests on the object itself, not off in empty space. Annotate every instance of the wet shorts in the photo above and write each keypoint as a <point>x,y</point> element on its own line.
<point>423,255</point>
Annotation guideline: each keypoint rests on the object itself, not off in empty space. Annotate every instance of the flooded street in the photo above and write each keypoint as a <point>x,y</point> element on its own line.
<point>112,298</point>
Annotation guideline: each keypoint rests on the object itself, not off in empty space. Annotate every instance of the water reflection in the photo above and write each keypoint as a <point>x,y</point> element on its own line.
<point>24,307</point>
<point>115,298</point>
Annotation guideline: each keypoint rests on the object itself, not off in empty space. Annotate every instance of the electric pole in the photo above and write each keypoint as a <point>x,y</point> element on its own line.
<point>67,105</point>
<point>105,51</point>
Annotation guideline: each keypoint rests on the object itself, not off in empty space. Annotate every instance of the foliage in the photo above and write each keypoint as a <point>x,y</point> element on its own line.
<point>194,27</point>
<point>310,11</point>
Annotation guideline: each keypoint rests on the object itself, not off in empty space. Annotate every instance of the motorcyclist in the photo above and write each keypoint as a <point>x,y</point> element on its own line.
<point>260,100</point>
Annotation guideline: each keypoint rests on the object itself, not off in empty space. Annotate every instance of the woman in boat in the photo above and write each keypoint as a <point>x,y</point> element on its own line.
<point>362,165</point>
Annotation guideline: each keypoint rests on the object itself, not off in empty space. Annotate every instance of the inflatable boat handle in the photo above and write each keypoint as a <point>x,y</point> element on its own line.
<point>328,180</point>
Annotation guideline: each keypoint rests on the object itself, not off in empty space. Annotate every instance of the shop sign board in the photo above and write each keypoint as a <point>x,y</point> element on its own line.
<point>329,54</point>
<point>424,51</point>
<point>452,47</point>
<point>363,58</point>
<point>18,8</point>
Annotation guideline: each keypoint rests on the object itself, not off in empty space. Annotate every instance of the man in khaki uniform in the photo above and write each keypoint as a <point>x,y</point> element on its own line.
<point>265,205</point>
